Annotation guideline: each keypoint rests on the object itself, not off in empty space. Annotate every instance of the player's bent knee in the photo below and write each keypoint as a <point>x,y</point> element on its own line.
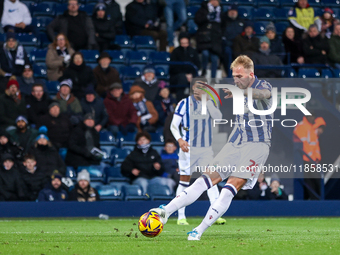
<point>238,183</point>
<point>185,178</point>
<point>214,176</point>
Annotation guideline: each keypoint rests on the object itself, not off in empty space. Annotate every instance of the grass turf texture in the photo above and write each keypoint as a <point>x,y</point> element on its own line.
<point>121,236</point>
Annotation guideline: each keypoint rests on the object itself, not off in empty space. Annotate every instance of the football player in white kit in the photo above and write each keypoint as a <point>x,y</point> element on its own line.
<point>247,147</point>
<point>198,127</point>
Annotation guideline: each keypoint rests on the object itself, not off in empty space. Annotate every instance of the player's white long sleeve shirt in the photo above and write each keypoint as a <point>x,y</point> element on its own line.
<point>15,13</point>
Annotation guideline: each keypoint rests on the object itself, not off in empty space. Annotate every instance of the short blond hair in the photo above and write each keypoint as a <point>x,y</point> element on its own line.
<point>244,61</point>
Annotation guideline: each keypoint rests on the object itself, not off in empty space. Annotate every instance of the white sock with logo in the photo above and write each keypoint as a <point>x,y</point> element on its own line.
<point>213,194</point>
<point>181,187</point>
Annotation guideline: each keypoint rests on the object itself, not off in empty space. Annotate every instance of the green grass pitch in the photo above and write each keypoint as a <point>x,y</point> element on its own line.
<point>121,236</point>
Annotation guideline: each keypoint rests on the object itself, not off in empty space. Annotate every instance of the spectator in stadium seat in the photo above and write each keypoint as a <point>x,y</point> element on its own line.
<point>27,80</point>
<point>165,104</point>
<point>170,160</point>
<point>105,74</point>
<point>81,75</point>
<point>76,25</point>
<point>103,26</point>
<point>58,57</point>
<point>11,105</point>
<point>113,12</point>
<point>246,42</point>
<point>33,177</point>
<point>301,16</point>
<point>83,192</point>
<point>259,190</point>
<point>264,57</point>
<point>146,112</point>
<point>334,46</point>
<point>37,103</point>
<point>58,125</point>
<point>315,48</point>
<point>183,74</point>
<point>23,135</point>
<point>16,17</point>
<point>327,23</point>
<point>143,165</point>
<point>122,113</point>
<point>141,19</point>
<point>209,34</point>
<point>81,142</point>
<point>149,82</point>
<point>8,147</point>
<point>292,46</point>
<point>274,192</point>
<point>47,156</point>
<point>276,46</point>
<point>95,105</point>
<point>53,192</point>
<point>69,104</point>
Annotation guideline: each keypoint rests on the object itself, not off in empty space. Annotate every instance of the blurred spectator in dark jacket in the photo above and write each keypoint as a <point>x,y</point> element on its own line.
<point>293,46</point>
<point>103,26</point>
<point>143,165</point>
<point>53,192</point>
<point>327,23</point>
<point>105,74</point>
<point>274,192</point>
<point>76,25</point>
<point>113,12</point>
<point>95,105</point>
<point>58,125</point>
<point>276,46</point>
<point>141,18</point>
<point>47,156</point>
<point>11,185</point>
<point>27,80</point>
<point>183,74</point>
<point>34,177</point>
<point>80,74</point>
<point>149,82</point>
<point>23,135</point>
<point>315,48</point>
<point>12,104</point>
<point>58,57</point>
<point>164,104</point>
<point>122,113</point>
<point>69,104</point>
<point>170,160</point>
<point>209,34</point>
<point>334,46</point>
<point>83,140</point>
<point>233,24</point>
<point>259,190</point>
<point>83,192</point>
<point>146,112</point>
<point>246,41</point>
<point>8,147</point>
<point>37,103</point>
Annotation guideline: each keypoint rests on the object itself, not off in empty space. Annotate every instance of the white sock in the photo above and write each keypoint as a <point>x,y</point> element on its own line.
<point>189,195</point>
<point>181,187</point>
<point>218,208</point>
<point>213,194</point>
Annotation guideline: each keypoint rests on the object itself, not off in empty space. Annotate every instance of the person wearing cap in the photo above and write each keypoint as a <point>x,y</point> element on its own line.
<point>27,80</point>
<point>54,191</point>
<point>69,104</point>
<point>11,184</point>
<point>105,74</point>
<point>122,113</point>
<point>58,124</point>
<point>76,25</point>
<point>165,105</point>
<point>95,105</point>
<point>81,75</point>
<point>146,112</point>
<point>46,155</point>
<point>276,46</point>
<point>246,42</point>
<point>334,46</point>
<point>83,140</point>
<point>103,26</point>
<point>58,57</point>
<point>264,57</point>
<point>274,191</point>
<point>328,22</point>
<point>83,192</point>
<point>149,82</point>
<point>12,105</point>
<point>23,135</point>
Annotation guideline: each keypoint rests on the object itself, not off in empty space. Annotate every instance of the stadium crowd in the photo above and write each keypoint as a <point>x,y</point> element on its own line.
<point>38,124</point>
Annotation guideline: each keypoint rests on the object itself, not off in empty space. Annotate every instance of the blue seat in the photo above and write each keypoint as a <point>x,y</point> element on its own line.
<point>62,153</point>
<point>44,40</point>
<point>40,70</point>
<point>120,68</point>
<point>162,72</point>
<point>90,55</point>
<point>157,139</point>
<point>127,85</point>
<point>144,42</point>
<point>71,173</point>
<point>245,2</point>
<point>289,3</point>
<point>60,9</point>
<point>38,56</point>
<point>245,12</point>
<point>107,138</point>
<point>191,11</point>
<point>118,155</point>
<point>331,3</point>
<point>263,13</point>
<point>107,150</point>
<point>117,56</point>
<point>192,27</point>
<point>159,192</point>
<point>114,174</point>
<point>96,172</point>
<point>2,37</point>
<point>260,27</point>
<point>281,14</point>
<point>290,73</point>
<point>159,57</point>
<point>128,139</point>
<point>52,87</point>
<point>309,73</point>
<point>28,40</point>
<point>326,73</point>
<point>158,148</point>
<point>195,3</point>
<point>109,192</point>
<point>136,57</point>
<point>41,22</point>
<point>29,49</point>
<point>123,41</point>
<point>317,3</point>
<point>28,4</point>
<point>281,26</point>
<point>43,9</point>
<point>133,192</point>
<point>267,3</point>
<point>88,8</point>
<point>130,73</point>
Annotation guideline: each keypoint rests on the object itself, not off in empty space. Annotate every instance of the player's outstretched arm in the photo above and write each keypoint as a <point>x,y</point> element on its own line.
<point>259,93</point>
<point>214,112</point>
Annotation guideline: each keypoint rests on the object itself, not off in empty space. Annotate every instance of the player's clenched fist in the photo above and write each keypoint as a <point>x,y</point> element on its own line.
<point>184,145</point>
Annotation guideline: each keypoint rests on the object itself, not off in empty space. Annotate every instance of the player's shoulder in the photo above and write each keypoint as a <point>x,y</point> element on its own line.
<point>263,84</point>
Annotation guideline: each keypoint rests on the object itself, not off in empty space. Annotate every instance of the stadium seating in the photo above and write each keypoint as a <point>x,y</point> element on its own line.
<point>263,13</point>
<point>289,3</point>
<point>28,3</point>
<point>127,85</point>
<point>316,3</point>
<point>27,39</point>
<point>118,155</point>
<point>245,2</point>
<point>127,141</point>
<point>44,40</point>
<point>41,22</point>
<point>308,73</point>
<point>130,73</point>
<point>144,42</point>
<point>114,174</point>
<point>192,27</point>
<point>107,138</point>
<point>260,27</point>
<point>96,172</point>
<point>123,41</point>
<point>281,14</point>
<point>290,73</point>
<point>60,9</point>
<point>195,3</point>
<point>191,11</point>
<point>109,192</point>
<point>159,192</point>
<point>52,87</point>
<point>245,12</point>
<point>281,26</point>
<point>136,57</point>
<point>267,3</point>
<point>40,70</point>
<point>159,57</point>
<point>90,56</point>
<point>62,153</point>
<point>326,73</point>
<point>37,56</point>
<point>133,192</point>
<point>43,9</point>
<point>331,3</point>
<point>162,72</point>
<point>71,173</point>
<point>88,8</point>
<point>117,56</point>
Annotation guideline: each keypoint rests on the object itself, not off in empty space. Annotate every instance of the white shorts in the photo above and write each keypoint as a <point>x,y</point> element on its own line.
<point>243,161</point>
<point>187,161</point>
